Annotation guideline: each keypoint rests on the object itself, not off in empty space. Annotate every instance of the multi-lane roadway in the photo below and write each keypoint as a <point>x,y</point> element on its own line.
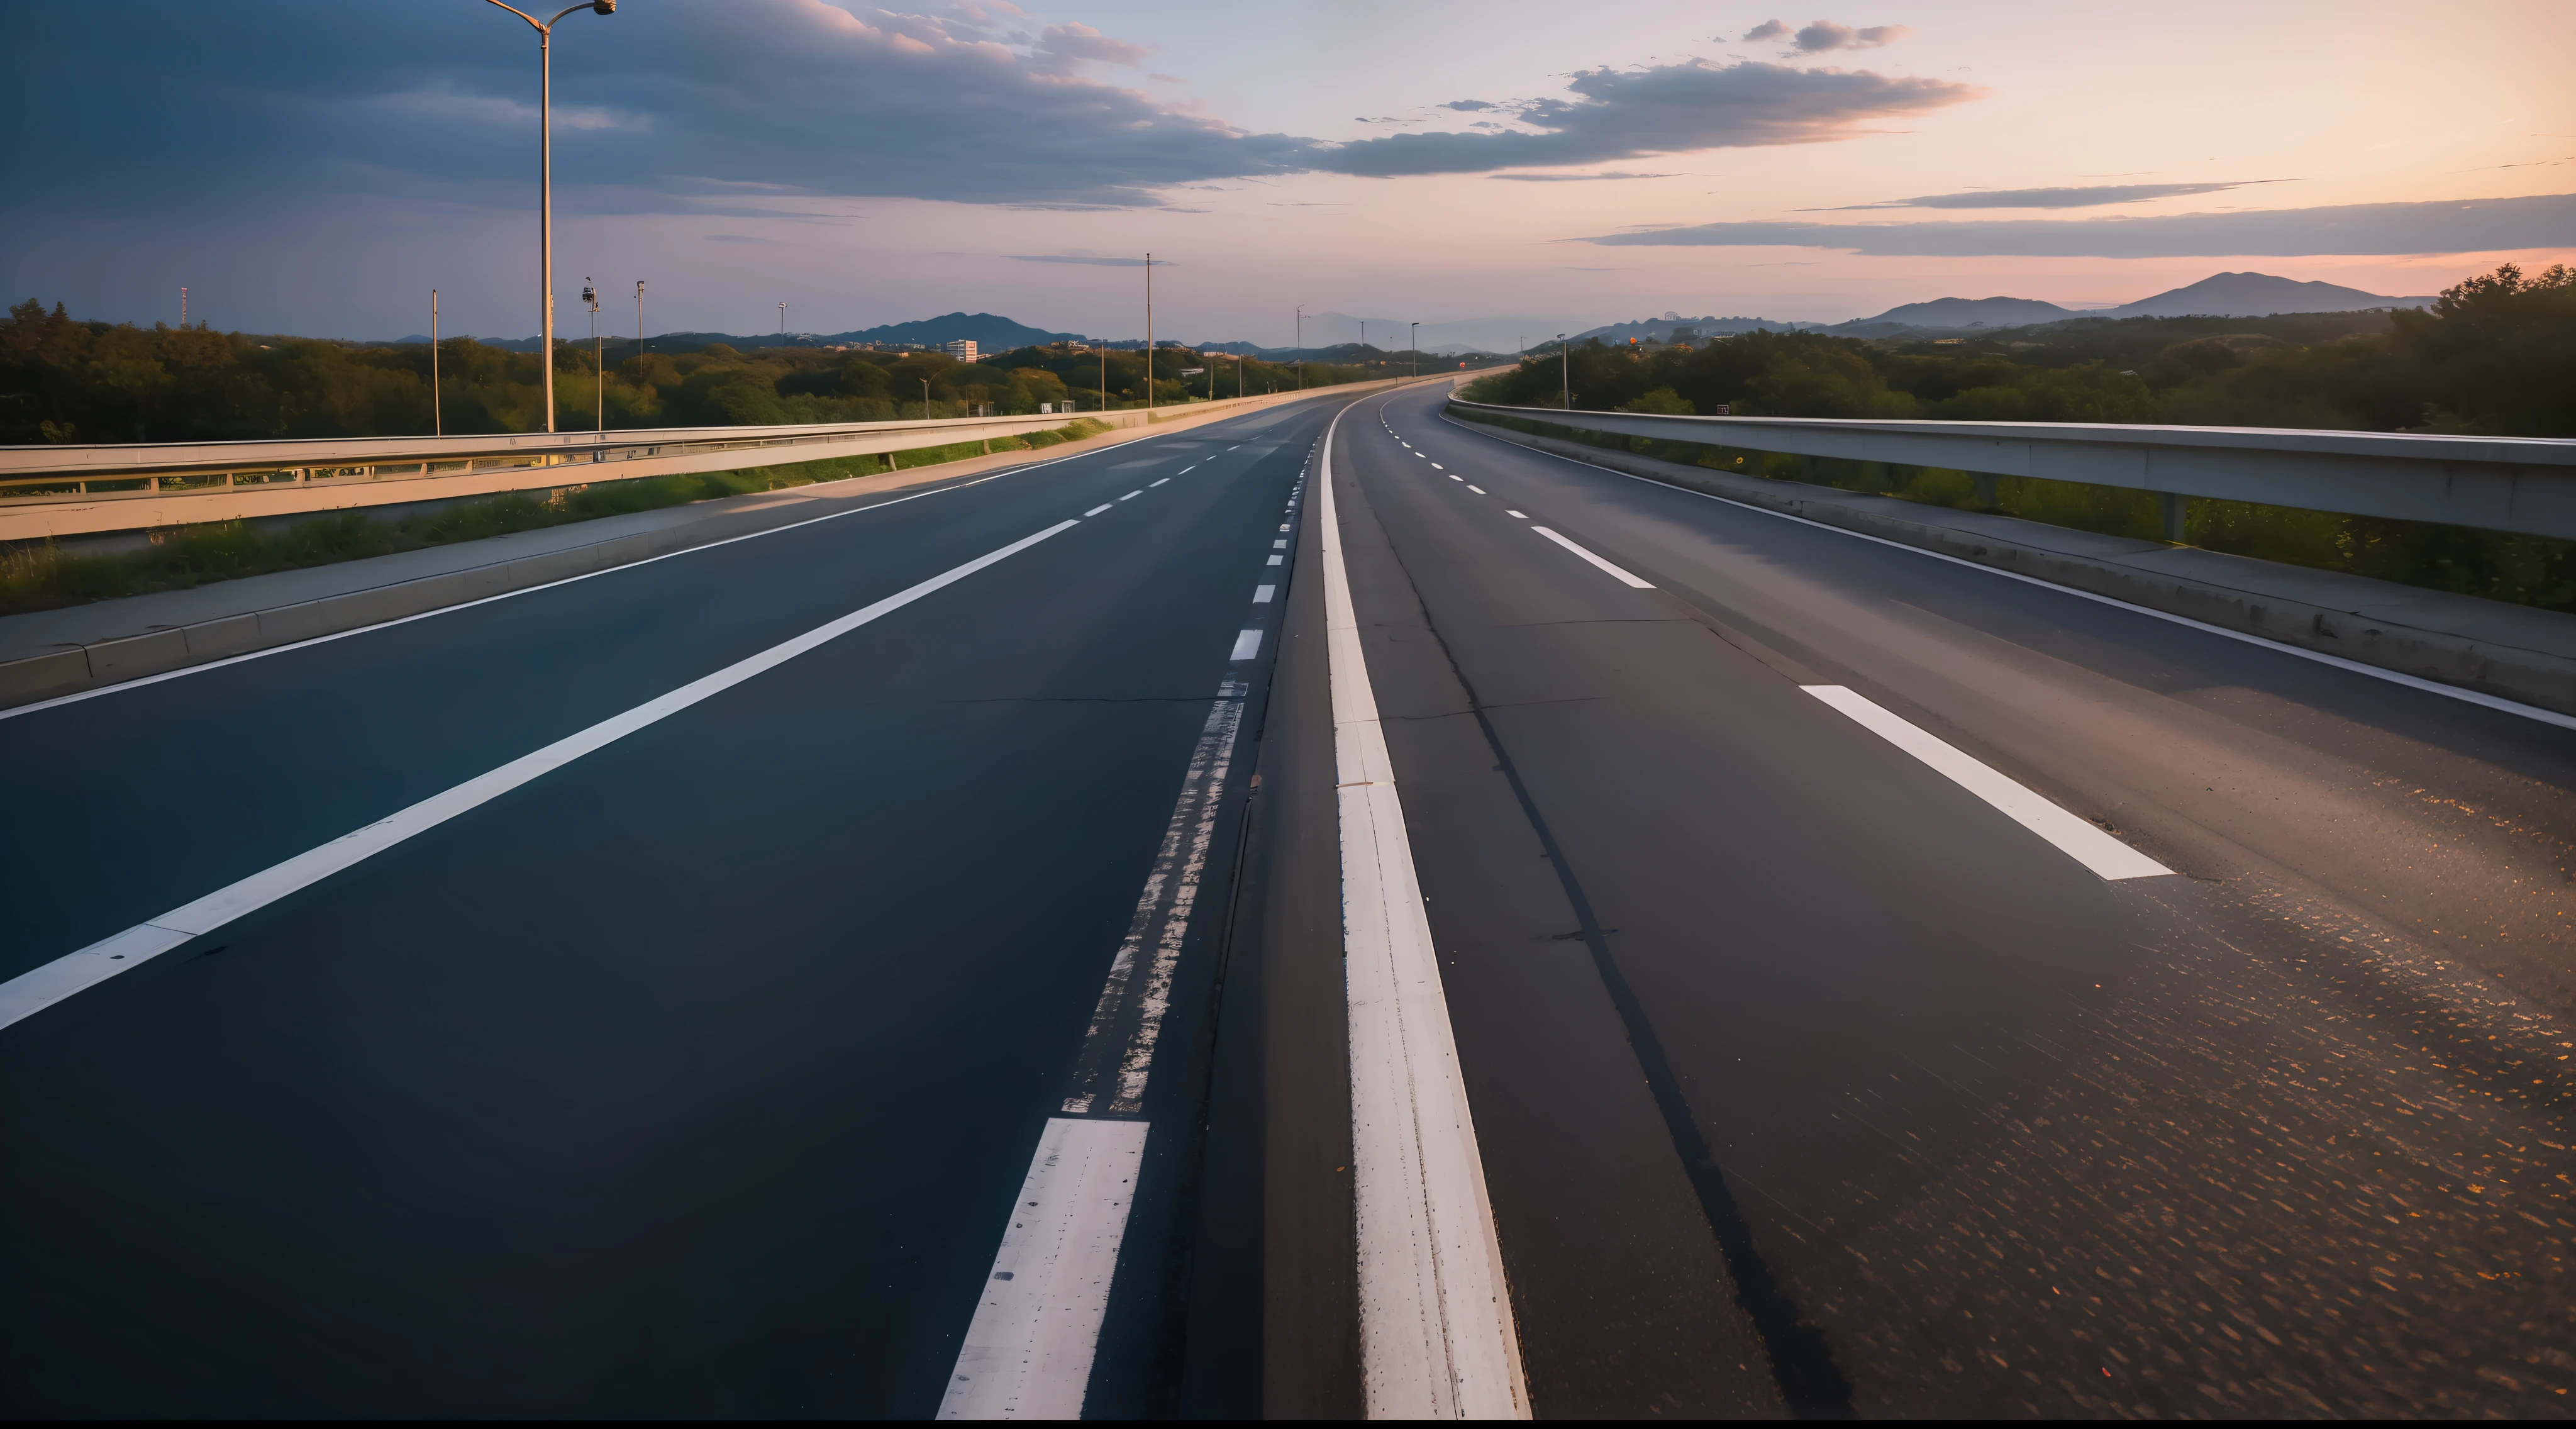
<point>897,964</point>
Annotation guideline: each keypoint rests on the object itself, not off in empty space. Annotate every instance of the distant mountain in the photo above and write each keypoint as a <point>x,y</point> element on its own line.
<point>1964,313</point>
<point>2256,295</point>
<point>989,332</point>
<point>1661,329</point>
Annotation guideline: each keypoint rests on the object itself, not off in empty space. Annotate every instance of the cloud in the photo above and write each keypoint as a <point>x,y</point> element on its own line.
<point>1768,30</point>
<point>1574,178</point>
<point>1470,105</point>
<point>2453,226</point>
<point>1061,47</point>
<point>1666,109</point>
<point>2092,197</point>
<point>798,94</point>
<point>1825,35</point>
<point>1093,262</point>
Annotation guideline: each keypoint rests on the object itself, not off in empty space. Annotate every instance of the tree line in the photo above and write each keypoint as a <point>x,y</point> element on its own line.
<point>67,380</point>
<point>2495,355</point>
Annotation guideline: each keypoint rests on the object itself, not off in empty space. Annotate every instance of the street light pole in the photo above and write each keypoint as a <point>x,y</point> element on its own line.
<point>546,180</point>
<point>925,399</point>
<point>782,319</point>
<point>1301,347</point>
<point>437,414</point>
<point>1565,370</point>
<point>1413,341</point>
<point>1149,340</point>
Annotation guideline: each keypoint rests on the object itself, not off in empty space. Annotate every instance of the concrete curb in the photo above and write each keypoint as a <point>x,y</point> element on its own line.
<point>2532,677</point>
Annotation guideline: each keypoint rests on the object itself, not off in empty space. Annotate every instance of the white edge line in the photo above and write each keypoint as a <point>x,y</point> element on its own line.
<point>1596,560</point>
<point>42,986</point>
<point>139,681</point>
<point>2398,677</point>
<point>1436,1332</point>
<point>2073,836</point>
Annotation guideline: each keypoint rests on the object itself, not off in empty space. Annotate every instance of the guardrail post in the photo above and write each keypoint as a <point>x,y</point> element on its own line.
<point>1985,489</point>
<point>2177,511</point>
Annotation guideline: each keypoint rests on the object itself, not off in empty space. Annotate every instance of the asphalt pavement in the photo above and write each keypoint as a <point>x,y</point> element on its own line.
<point>694,1074</point>
<point>1808,1076</point>
<point>1881,985</point>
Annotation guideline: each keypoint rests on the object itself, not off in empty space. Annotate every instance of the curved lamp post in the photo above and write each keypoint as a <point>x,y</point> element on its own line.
<point>546,178</point>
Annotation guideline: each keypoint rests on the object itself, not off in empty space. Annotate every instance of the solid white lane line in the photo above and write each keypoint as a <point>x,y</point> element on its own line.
<point>1246,645</point>
<point>1029,1349</point>
<point>1596,560</point>
<point>1157,482</point>
<point>1516,515</point>
<point>39,988</point>
<point>1127,1021</point>
<point>1436,1333</point>
<point>2394,677</point>
<point>1471,486</point>
<point>1096,510</point>
<point>1261,594</point>
<point>2074,837</point>
<point>1130,496</point>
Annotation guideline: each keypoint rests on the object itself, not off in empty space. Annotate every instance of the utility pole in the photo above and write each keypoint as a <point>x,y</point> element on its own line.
<point>437,413</point>
<point>598,361</point>
<point>1149,339</point>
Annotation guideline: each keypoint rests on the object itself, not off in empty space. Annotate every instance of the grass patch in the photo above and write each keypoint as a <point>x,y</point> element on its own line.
<point>2518,570</point>
<point>180,557</point>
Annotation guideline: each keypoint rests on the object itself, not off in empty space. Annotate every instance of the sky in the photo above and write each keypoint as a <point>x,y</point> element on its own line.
<point>1490,168</point>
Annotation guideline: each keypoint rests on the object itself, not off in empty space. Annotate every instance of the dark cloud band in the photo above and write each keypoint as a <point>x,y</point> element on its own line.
<point>2094,196</point>
<point>2457,226</point>
<point>1668,109</point>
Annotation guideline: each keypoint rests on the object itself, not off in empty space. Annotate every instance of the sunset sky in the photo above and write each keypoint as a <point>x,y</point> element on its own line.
<point>318,168</point>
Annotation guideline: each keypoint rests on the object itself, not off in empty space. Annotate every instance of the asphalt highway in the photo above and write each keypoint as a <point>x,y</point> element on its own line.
<point>694,1075</point>
<point>896,965</point>
<point>1807,1077</point>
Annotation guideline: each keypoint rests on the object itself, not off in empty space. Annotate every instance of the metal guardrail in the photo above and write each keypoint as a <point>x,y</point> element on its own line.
<point>61,491</point>
<point>2524,485</point>
<point>88,473</point>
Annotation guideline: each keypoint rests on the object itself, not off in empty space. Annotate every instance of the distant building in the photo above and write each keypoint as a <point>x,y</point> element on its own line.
<point>963,349</point>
